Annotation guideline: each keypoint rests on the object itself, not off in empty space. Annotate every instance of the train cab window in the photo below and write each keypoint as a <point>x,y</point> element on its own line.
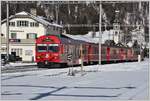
<point>53,48</point>
<point>41,47</point>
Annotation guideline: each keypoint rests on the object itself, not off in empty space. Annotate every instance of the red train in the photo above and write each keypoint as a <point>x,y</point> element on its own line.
<point>60,51</point>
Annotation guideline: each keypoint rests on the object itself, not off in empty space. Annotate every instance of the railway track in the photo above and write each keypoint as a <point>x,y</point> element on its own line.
<point>13,69</point>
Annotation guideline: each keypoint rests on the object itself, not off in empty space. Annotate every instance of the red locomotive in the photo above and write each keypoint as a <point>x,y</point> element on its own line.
<point>52,50</point>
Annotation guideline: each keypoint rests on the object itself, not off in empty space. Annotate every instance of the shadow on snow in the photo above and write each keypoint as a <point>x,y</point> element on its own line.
<point>42,95</point>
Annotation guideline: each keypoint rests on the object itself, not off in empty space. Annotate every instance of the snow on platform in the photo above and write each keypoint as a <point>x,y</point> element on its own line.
<point>17,64</point>
<point>122,81</point>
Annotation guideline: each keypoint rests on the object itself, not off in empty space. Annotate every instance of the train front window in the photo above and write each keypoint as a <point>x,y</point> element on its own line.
<point>41,47</point>
<point>53,48</point>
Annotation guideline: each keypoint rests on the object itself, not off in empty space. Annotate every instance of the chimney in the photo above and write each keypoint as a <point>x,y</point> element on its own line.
<point>33,11</point>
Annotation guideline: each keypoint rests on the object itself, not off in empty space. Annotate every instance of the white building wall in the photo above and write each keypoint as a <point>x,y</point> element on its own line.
<point>22,31</point>
<point>138,35</point>
<point>28,51</point>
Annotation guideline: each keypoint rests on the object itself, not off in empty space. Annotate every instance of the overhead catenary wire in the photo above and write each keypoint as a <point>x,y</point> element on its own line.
<point>75,1</point>
<point>97,25</point>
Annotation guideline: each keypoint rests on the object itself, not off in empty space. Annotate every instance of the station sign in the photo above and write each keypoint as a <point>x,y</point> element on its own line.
<point>14,40</point>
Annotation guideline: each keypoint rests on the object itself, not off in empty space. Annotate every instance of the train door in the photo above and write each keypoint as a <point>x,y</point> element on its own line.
<point>129,54</point>
<point>108,54</point>
<point>70,55</point>
<point>89,53</point>
<point>103,54</point>
<point>121,54</point>
<point>86,52</point>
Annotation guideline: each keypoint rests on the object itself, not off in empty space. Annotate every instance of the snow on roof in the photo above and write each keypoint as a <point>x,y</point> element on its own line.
<point>37,18</point>
<point>81,37</point>
<point>43,21</point>
<point>130,44</point>
<point>106,35</point>
<point>22,13</point>
<point>55,24</point>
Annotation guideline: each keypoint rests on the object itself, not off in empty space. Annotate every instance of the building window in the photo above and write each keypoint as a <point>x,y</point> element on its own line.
<point>2,35</point>
<point>13,36</point>
<point>53,27</point>
<point>34,24</point>
<point>31,24</point>
<point>3,50</point>
<point>18,51</point>
<point>61,30</point>
<point>116,27</point>
<point>37,24</point>
<point>116,33</point>
<point>57,28</point>
<point>31,35</point>
<point>22,23</point>
<point>12,24</point>
<point>28,52</point>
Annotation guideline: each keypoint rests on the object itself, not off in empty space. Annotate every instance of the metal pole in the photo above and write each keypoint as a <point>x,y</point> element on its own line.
<point>7,32</point>
<point>69,17</point>
<point>81,57</point>
<point>140,32</point>
<point>149,33</point>
<point>100,32</point>
<point>57,8</point>
<point>0,50</point>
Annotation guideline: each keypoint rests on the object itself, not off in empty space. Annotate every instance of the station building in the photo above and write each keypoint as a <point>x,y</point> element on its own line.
<point>24,28</point>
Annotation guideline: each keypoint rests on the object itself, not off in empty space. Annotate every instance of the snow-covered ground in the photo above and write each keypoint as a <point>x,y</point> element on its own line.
<point>120,81</point>
<point>19,64</point>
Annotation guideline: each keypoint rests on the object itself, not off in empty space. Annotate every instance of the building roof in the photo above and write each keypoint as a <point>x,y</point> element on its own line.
<point>39,19</point>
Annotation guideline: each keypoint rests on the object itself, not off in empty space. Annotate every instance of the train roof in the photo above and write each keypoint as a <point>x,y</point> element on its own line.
<point>80,38</point>
<point>67,40</point>
<point>89,40</point>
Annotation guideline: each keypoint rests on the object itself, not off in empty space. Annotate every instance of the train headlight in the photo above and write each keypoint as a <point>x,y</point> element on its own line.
<point>55,57</point>
<point>38,57</point>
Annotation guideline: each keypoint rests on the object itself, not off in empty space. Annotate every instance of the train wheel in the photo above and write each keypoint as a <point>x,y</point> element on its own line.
<point>40,65</point>
<point>90,63</point>
<point>63,65</point>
